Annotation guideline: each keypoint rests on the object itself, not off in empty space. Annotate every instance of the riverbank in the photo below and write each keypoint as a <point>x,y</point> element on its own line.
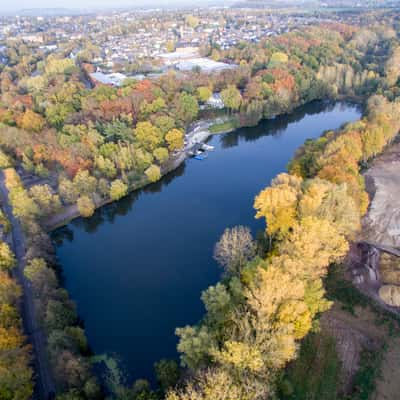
<point>160,240</point>
<point>199,132</point>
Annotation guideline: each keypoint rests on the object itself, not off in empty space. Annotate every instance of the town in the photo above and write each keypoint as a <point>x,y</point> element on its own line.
<point>199,201</point>
<point>138,44</point>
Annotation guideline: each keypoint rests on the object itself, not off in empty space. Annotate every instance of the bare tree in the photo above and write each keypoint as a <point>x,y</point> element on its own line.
<point>234,249</point>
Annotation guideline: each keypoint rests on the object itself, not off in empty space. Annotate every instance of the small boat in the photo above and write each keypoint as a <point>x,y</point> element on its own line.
<point>207,147</point>
<point>200,156</point>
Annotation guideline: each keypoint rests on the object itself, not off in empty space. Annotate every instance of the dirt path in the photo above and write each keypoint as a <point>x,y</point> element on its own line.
<point>388,384</point>
<point>44,388</point>
<point>353,333</point>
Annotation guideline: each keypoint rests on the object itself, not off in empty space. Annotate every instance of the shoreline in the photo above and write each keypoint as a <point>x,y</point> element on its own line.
<point>199,132</point>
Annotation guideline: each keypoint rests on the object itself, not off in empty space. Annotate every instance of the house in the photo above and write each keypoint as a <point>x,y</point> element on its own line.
<point>215,101</point>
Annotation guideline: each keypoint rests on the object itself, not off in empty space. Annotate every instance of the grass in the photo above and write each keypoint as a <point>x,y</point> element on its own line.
<point>314,375</point>
<point>365,378</point>
<point>223,127</point>
<point>340,289</point>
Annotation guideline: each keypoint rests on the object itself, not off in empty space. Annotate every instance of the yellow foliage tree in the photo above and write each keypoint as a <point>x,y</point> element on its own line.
<point>277,204</point>
<point>174,139</point>
<point>316,243</point>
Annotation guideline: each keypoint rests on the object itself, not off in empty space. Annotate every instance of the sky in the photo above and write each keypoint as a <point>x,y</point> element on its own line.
<point>16,5</point>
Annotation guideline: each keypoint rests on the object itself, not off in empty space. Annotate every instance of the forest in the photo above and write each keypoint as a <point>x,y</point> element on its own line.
<point>92,144</point>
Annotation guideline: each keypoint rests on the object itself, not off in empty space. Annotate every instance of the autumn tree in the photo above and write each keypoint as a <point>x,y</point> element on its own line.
<point>7,258</point>
<point>161,154</point>
<point>86,206</point>
<point>148,135</point>
<point>231,97</point>
<point>47,201</point>
<point>392,68</point>
<point>106,166</point>
<point>118,189</point>
<point>204,93</point>
<point>212,384</point>
<point>68,191</point>
<point>153,173</point>
<point>84,183</point>
<point>174,139</point>
<point>277,204</point>
<point>278,58</point>
<point>23,205</point>
<point>32,121</point>
<point>192,21</point>
<point>9,290</point>
<point>315,243</point>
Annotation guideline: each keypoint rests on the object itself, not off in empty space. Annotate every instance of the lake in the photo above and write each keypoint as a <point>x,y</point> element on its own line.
<point>137,268</point>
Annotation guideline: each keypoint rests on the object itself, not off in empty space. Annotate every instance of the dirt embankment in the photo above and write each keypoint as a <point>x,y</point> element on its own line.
<point>374,268</point>
<point>382,223</point>
<point>374,262</point>
<point>355,333</point>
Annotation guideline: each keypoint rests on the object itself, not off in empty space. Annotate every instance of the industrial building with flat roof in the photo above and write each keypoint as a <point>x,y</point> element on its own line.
<point>204,64</point>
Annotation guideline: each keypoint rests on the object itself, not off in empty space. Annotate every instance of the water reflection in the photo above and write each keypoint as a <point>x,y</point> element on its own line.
<point>276,126</point>
<point>138,277</point>
<point>109,212</point>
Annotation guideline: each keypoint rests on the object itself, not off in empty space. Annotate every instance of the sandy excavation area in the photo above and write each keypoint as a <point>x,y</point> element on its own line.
<point>382,223</point>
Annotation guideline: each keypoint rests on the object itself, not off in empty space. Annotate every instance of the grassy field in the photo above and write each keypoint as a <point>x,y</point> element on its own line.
<point>314,375</point>
<point>223,127</point>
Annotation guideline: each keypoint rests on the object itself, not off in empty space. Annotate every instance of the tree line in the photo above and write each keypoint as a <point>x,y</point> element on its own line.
<point>94,144</point>
<point>112,139</point>
<point>267,302</point>
<point>15,354</point>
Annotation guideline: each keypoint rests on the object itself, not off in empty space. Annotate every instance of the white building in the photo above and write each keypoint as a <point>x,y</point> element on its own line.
<point>215,101</point>
<point>204,64</point>
<point>114,79</point>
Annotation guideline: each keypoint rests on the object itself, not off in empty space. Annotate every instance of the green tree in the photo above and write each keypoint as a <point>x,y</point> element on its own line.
<point>231,97</point>
<point>164,123</point>
<point>187,107</point>
<point>167,372</point>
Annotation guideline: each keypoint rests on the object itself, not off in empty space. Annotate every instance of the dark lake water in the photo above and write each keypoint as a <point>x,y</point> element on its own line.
<point>136,269</point>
